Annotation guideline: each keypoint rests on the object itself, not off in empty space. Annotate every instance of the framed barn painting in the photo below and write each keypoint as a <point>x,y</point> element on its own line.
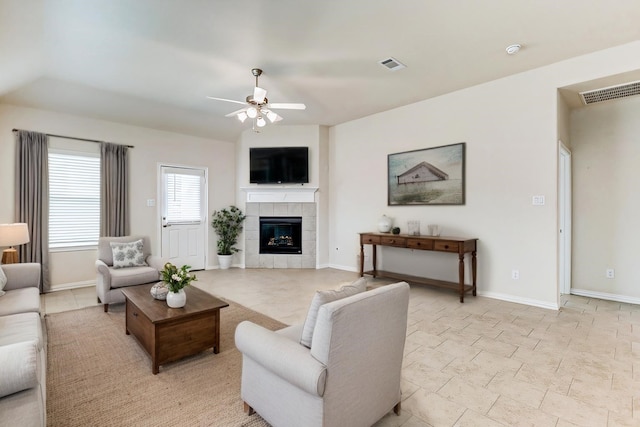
<point>432,176</point>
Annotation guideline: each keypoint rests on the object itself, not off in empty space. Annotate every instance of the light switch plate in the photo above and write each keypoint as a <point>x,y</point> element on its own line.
<point>538,200</point>
<point>151,202</point>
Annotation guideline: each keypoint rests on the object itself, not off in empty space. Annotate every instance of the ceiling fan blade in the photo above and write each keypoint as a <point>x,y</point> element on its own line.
<point>226,100</point>
<point>259,94</point>
<point>288,106</point>
<point>236,112</point>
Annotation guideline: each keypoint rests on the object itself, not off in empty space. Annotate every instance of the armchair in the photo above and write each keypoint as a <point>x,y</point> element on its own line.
<point>110,280</point>
<point>349,377</point>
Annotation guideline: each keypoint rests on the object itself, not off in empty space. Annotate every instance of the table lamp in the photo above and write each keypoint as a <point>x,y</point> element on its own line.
<point>12,235</point>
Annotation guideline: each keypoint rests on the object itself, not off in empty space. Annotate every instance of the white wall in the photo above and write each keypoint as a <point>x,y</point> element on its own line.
<point>151,147</point>
<point>511,130</point>
<point>606,154</point>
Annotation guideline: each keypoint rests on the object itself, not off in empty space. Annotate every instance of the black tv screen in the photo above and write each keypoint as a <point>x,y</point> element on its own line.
<point>279,165</point>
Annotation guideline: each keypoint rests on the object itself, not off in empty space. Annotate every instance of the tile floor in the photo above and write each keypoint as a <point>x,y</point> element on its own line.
<point>482,363</point>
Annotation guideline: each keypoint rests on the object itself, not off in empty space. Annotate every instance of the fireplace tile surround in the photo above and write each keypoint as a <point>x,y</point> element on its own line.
<point>254,259</point>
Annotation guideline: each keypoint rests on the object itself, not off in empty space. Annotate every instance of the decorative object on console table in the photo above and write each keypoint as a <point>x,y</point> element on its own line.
<point>434,230</point>
<point>453,245</point>
<point>414,228</point>
<point>433,176</point>
<point>13,235</point>
<point>176,279</point>
<point>384,224</point>
<point>227,223</point>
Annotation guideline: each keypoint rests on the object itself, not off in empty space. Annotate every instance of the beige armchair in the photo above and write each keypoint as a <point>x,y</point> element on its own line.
<point>349,377</point>
<point>110,280</point>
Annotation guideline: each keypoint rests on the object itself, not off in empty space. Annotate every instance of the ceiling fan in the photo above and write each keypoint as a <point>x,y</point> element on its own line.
<point>257,106</point>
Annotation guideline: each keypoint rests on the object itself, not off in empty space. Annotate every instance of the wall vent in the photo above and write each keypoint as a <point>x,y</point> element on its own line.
<point>609,93</point>
<point>392,64</point>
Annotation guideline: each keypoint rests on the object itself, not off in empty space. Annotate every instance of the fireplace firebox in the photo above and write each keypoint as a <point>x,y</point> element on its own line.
<point>280,235</point>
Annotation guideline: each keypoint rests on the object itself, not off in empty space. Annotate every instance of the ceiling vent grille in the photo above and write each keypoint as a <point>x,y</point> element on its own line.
<point>392,64</point>
<point>609,93</point>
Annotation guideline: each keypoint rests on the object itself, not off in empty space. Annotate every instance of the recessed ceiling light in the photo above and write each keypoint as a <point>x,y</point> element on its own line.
<point>513,49</point>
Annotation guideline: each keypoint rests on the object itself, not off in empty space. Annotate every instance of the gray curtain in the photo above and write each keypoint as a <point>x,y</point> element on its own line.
<point>32,198</point>
<point>114,198</point>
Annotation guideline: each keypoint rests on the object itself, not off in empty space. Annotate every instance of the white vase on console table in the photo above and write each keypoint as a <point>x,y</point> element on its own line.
<point>384,224</point>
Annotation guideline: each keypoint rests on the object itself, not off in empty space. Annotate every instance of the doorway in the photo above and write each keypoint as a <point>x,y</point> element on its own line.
<point>564,215</point>
<point>183,207</point>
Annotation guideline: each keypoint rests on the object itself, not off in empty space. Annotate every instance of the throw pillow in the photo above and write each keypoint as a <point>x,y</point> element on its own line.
<point>3,281</point>
<point>323,297</point>
<point>127,254</point>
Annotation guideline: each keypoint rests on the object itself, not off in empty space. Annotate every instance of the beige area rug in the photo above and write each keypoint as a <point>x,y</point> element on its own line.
<point>99,376</point>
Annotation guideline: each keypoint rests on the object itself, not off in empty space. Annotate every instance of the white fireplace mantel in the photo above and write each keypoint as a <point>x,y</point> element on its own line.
<point>269,194</point>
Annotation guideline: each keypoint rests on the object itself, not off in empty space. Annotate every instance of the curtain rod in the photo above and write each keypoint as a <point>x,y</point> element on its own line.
<point>73,137</point>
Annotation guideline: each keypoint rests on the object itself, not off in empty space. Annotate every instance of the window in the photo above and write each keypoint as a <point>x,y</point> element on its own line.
<point>183,193</point>
<point>74,199</point>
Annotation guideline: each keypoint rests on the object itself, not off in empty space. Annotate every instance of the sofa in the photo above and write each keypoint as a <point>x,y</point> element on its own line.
<point>23,346</point>
<point>110,279</point>
<point>345,372</point>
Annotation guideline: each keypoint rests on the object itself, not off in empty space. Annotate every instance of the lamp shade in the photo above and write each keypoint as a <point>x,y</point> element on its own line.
<point>14,234</point>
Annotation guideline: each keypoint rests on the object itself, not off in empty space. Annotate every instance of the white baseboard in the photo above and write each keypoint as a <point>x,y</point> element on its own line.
<point>605,296</point>
<point>73,285</point>
<point>519,300</point>
<point>344,267</point>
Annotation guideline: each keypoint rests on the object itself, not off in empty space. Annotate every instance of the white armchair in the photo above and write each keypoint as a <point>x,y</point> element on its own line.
<point>349,377</point>
<point>110,280</point>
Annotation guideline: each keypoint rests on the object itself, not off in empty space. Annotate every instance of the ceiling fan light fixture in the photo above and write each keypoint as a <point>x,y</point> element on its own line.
<point>272,116</point>
<point>242,116</point>
<point>257,106</point>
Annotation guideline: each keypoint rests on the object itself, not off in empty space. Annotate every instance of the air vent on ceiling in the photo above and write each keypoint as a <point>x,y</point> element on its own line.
<point>392,64</point>
<point>609,93</point>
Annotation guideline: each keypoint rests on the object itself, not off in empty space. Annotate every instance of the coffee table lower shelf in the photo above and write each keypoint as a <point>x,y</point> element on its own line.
<point>417,280</point>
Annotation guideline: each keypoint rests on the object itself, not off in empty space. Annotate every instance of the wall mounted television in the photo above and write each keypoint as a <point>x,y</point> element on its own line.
<point>279,165</point>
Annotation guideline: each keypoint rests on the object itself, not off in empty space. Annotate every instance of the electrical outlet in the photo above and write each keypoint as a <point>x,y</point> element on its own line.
<point>610,273</point>
<point>515,274</point>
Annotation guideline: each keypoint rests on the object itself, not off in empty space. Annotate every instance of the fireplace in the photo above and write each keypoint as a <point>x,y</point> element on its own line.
<point>280,235</point>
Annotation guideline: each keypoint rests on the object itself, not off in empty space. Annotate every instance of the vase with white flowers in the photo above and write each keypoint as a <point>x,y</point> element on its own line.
<point>176,280</point>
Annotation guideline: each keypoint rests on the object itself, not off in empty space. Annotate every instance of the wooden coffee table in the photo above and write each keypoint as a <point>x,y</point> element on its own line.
<point>168,334</point>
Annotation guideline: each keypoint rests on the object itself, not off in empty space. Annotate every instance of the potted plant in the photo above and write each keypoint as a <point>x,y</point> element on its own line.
<point>227,223</point>
<point>176,279</point>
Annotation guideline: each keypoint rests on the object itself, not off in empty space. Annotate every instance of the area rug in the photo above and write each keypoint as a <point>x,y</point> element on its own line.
<point>99,376</point>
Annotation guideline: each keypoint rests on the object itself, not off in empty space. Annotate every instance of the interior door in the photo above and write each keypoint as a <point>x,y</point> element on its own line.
<point>564,214</point>
<point>183,208</point>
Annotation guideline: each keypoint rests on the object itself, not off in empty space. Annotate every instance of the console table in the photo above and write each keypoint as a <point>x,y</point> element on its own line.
<point>456,245</point>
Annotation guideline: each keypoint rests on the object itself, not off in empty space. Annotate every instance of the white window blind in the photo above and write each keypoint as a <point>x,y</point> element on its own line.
<point>74,199</point>
<point>184,193</point>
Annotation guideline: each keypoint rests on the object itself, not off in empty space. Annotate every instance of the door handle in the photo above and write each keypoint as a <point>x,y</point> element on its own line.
<point>167,225</point>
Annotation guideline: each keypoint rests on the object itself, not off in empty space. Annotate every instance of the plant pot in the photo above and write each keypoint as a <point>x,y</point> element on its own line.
<point>224,261</point>
<point>177,299</point>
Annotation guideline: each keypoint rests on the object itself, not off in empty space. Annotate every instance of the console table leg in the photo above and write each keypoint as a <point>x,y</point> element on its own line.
<point>473,270</point>
<point>361,260</point>
<point>461,276</point>
<point>374,260</point>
